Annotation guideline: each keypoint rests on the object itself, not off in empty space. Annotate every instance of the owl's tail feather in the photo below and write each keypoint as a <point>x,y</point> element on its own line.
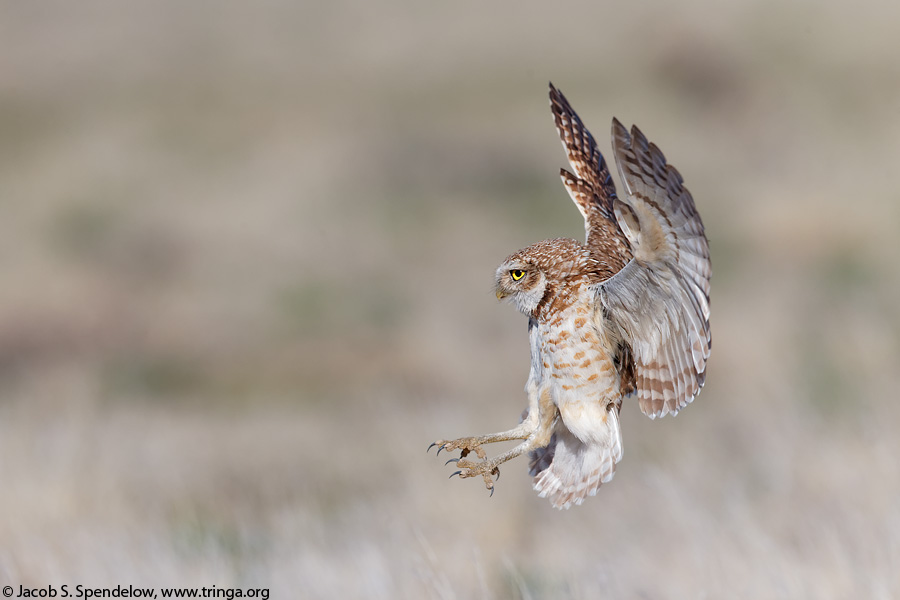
<point>569,470</point>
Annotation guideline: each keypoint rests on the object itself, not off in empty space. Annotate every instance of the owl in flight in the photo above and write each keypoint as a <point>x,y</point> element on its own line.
<point>626,312</point>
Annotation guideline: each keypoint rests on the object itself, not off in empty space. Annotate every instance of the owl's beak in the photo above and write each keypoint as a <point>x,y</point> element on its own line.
<point>501,294</point>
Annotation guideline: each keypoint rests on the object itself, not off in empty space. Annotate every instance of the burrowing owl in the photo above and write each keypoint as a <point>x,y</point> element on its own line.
<point>626,312</point>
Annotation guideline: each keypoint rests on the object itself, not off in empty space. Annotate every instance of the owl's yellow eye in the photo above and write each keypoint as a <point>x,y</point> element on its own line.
<point>517,274</point>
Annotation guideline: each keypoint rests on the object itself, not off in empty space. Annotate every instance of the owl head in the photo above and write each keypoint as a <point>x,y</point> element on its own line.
<point>522,281</point>
<point>529,275</point>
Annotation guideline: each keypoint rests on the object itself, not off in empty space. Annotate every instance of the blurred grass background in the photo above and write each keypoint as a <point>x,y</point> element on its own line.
<point>247,255</point>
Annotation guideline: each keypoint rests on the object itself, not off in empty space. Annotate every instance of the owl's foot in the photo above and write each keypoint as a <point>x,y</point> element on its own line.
<point>488,469</point>
<point>465,445</point>
<point>468,468</point>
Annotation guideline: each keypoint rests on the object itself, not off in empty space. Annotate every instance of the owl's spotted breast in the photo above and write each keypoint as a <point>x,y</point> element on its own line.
<point>575,351</point>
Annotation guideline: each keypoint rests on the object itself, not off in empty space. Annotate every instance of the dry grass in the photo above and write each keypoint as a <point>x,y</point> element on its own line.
<point>247,256</point>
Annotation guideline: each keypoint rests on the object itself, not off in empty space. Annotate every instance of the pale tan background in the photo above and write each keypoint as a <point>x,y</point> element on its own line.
<point>247,256</point>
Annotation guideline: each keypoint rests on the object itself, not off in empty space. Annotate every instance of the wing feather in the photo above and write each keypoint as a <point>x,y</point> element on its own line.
<point>581,150</point>
<point>591,187</point>
<point>659,302</point>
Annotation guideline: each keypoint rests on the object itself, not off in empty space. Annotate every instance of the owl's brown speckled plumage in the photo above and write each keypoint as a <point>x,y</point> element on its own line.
<point>625,312</point>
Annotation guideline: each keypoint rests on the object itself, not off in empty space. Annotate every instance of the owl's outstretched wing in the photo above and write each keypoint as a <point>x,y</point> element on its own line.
<point>659,301</point>
<point>591,186</point>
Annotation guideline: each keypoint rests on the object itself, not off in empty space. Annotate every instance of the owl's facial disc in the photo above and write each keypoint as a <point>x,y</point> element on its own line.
<point>523,283</point>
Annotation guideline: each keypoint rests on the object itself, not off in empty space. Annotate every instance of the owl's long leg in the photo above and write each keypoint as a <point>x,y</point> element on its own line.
<point>523,430</point>
<point>535,430</point>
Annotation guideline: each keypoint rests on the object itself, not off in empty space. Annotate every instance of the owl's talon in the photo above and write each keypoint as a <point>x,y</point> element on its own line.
<point>469,467</point>
<point>492,493</point>
<point>464,445</point>
<point>439,449</point>
<point>433,444</point>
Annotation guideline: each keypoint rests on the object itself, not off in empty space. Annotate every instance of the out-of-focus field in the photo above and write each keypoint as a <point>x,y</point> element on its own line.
<point>247,256</point>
